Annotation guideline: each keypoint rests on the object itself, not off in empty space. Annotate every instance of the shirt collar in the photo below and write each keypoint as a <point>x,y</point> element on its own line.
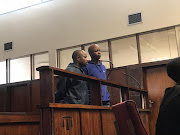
<point>91,62</point>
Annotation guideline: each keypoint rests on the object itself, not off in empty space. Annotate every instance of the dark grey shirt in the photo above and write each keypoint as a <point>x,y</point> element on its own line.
<point>72,91</point>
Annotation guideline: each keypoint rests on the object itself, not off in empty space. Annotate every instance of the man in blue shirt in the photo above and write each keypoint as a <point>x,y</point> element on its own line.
<point>96,69</point>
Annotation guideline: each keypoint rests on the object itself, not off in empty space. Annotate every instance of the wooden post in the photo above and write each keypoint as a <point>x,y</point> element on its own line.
<point>95,92</point>
<point>46,97</point>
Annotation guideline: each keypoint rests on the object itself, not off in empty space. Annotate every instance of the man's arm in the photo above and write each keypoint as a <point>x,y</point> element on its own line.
<point>60,92</point>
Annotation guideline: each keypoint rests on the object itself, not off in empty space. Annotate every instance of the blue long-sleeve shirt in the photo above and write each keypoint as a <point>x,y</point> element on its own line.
<point>98,71</point>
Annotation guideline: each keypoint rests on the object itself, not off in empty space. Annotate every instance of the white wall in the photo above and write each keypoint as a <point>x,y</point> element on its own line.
<point>63,23</point>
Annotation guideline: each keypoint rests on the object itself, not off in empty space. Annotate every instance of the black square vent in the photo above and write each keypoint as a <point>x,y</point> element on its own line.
<point>8,46</point>
<point>135,18</point>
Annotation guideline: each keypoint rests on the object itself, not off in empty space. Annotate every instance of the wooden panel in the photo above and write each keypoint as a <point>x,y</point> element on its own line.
<point>20,98</point>
<point>91,122</point>
<point>46,121</point>
<point>136,96</point>
<point>108,122</point>
<point>19,124</point>
<point>95,92</point>
<point>35,89</point>
<point>117,75</point>
<point>19,129</point>
<point>47,87</point>
<point>3,98</point>
<point>134,75</point>
<point>156,81</point>
<point>63,119</point>
<point>114,95</point>
<point>14,118</point>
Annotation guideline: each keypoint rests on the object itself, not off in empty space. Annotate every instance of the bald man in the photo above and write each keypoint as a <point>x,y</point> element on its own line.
<point>73,91</point>
<point>97,69</point>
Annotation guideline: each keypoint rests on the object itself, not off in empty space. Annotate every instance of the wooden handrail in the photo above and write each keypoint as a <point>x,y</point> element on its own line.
<point>70,74</point>
<point>47,88</point>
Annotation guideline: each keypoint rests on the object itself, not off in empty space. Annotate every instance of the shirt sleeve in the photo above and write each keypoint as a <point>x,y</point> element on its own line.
<point>61,88</point>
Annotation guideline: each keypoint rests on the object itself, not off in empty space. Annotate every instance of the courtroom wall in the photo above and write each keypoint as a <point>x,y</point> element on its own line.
<point>64,23</point>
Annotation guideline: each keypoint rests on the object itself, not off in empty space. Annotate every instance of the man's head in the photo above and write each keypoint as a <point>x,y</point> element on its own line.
<point>173,69</point>
<point>80,58</point>
<point>94,52</point>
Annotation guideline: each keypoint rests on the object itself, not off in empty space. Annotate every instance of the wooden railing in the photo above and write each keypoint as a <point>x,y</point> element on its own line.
<point>54,113</point>
<point>19,101</point>
<point>47,87</point>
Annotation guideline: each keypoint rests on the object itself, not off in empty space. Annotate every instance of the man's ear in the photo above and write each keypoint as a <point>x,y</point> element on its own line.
<point>78,58</point>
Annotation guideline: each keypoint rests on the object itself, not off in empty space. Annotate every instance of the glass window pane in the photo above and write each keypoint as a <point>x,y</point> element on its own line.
<point>124,51</point>
<point>66,56</point>
<point>158,46</point>
<point>20,69</point>
<point>3,72</point>
<point>40,60</point>
<point>104,53</point>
